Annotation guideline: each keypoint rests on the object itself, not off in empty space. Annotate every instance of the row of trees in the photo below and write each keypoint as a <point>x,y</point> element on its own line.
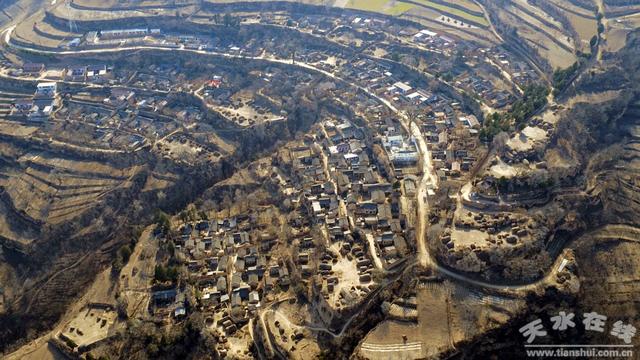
<point>226,20</point>
<point>562,77</point>
<point>536,179</point>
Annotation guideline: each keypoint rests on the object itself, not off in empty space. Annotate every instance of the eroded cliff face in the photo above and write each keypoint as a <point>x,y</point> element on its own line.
<point>596,148</point>
<point>601,138</point>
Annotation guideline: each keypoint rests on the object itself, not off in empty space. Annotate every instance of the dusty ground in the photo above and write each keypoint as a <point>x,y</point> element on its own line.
<point>100,291</point>
<point>425,338</point>
<point>90,325</point>
<point>347,272</point>
<point>291,319</point>
<point>239,345</point>
<point>467,237</point>
<point>447,314</point>
<point>15,10</point>
<point>527,138</point>
<point>12,230</point>
<point>503,170</point>
<point>136,276</point>
<point>159,181</point>
<point>387,339</point>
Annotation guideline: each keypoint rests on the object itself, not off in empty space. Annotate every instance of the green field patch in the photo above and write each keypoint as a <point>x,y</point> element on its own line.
<point>368,5</point>
<point>387,7</point>
<point>399,9</point>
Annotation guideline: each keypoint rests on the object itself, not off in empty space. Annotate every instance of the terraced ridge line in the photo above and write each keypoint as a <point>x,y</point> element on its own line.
<point>540,30</point>
<point>453,12</point>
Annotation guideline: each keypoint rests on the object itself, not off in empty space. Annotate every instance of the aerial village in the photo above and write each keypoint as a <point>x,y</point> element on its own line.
<point>350,183</point>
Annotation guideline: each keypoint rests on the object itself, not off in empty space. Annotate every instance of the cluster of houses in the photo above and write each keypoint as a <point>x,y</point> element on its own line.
<point>451,136</point>
<point>347,190</point>
<point>168,301</point>
<point>193,42</point>
<point>114,36</point>
<point>495,61</point>
<point>475,84</point>
<point>121,97</point>
<point>162,77</point>
<point>519,71</point>
<point>316,24</point>
<point>88,73</point>
<point>402,151</point>
<point>40,106</point>
<point>450,132</point>
<point>344,186</point>
<point>155,37</point>
<point>376,75</point>
<point>231,266</point>
<point>379,78</point>
<point>80,73</point>
<point>127,33</point>
<point>339,270</point>
<point>506,227</point>
<point>402,93</point>
<point>435,42</point>
<point>323,25</point>
<point>369,73</point>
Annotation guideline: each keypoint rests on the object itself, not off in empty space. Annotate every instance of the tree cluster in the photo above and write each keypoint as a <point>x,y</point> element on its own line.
<point>534,97</point>
<point>561,77</point>
<point>165,273</point>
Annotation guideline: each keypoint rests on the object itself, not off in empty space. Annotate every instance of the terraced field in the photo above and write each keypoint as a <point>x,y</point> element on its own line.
<point>619,21</point>
<point>615,8</point>
<point>50,188</point>
<point>109,4</point>
<point>582,20</point>
<point>545,29</point>
<point>570,7</point>
<point>30,32</point>
<point>465,10</point>
<point>447,17</point>
<point>7,98</point>
<point>614,288</point>
<point>11,10</point>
